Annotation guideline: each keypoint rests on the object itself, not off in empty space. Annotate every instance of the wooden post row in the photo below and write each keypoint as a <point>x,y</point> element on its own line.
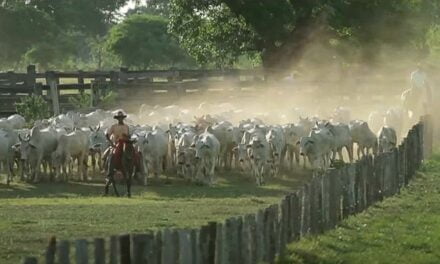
<point>81,251</point>
<point>52,81</point>
<point>305,211</point>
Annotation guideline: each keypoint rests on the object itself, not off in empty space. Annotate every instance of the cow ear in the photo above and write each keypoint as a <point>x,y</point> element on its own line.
<point>193,145</point>
<point>297,143</point>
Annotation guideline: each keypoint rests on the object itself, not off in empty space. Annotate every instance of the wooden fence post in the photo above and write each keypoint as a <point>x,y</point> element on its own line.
<point>51,250</point>
<point>284,231</point>
<point>295,219</point>
<point>158,247</point>
<point>184,246</point>
<point>81,251</point>
<point>305,211</point>
<point>63,252</point>
<point>261,237</point>
<point>325,201</point>
<point>52,81</point>
<point>124,249</point>
<point>207,243</point>
<point>220,256</point>
<point>81,81</point>
<point>428,132</point>
<point>249,242</point>
<point>334,202</point>
<point>139,249</point>
<point>170,249</point>
<point>195,249</point>
<point>114,250</point>
<point>271,229</point>
<point>378,177</point>
<point>315,205</point>
<point>30,81</point>
<point>231,240</point>
<point>99,250</point>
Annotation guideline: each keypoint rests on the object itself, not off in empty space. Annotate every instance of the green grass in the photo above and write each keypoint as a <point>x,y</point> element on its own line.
<point>401,229</point>
<point>30,214</point>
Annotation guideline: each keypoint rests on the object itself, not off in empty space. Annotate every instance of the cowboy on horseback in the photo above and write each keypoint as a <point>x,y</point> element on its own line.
<point>119,138</point>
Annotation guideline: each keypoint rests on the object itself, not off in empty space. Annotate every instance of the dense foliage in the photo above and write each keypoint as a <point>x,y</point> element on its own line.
<point>283,30</point>
<point>279,34</point>
<point>142,41</point>
<point>33,108</point>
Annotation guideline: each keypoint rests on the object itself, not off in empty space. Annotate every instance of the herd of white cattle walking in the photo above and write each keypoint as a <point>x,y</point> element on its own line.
<point>193,148</point>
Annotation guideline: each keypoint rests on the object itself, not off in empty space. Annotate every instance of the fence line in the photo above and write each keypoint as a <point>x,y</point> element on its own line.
<point>315,208</point>
<point>52,85</point>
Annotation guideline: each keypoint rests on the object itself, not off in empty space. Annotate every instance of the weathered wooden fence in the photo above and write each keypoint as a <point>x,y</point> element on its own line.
<point>315,208</point>
<point>56,87</point>
<point>138,86</point>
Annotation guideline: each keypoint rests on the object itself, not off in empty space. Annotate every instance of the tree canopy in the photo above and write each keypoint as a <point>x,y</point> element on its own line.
<point>282,30</point>
<point>142,41</point>
<point>48,32</point>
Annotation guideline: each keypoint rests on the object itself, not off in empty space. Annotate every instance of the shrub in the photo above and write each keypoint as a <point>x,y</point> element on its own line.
<point>80,100</point>
<point>33,108</point>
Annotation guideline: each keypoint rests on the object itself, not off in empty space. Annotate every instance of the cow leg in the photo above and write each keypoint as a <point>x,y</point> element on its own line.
<point>341,157</point>
<point>93,156</point>
<point>99,160</point>
<point>350,152</point>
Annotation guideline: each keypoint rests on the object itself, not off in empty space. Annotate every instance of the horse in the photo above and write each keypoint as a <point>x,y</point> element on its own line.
<point>126,165</point>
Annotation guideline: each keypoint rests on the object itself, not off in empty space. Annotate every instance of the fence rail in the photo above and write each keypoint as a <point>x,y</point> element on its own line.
<point>315,208</point>
<point>173,83</point>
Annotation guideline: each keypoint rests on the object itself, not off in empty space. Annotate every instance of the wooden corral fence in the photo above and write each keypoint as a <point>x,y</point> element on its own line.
<point>56,87</point>
<point>137,87</point>
<point>315,208</point>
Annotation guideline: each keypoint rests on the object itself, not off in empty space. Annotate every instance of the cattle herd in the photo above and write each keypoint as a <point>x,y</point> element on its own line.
<point>192,144</point>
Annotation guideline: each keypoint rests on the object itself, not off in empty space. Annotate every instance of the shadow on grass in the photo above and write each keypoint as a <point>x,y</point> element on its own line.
<point>230,184</point>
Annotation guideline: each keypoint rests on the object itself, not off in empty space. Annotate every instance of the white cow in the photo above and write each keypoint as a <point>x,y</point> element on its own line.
<point>186,156</point>
<point>8,139</point>
<point>17,121</point>
<point>317,147</point>
<point>74,145</point>
<point>223,131</point>
<point>341,138</point>
<point>277,143</point>
<point>207,148</point>
<point>364,137</point>
<point>38,147</point>
<point>293,133</point>
<point>259,152</point>
<point>154,149</point>
<point>387,139</point>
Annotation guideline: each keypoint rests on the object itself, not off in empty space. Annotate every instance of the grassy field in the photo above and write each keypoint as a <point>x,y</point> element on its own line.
<point>30,214</point>
<point>402,229</point>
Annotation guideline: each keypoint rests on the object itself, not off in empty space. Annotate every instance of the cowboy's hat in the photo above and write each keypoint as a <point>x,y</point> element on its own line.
<point>119,115</point>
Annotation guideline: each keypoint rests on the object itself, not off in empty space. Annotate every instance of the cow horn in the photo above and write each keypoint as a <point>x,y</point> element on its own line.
<point>91,129</point>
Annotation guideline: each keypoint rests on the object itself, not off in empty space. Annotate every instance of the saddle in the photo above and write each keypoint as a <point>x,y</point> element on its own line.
<point>117,151</point>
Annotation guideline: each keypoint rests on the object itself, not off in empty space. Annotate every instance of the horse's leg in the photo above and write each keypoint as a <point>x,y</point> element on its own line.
<point>93,156</point>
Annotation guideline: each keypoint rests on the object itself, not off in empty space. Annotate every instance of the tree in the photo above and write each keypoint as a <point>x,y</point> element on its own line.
<point>142,41</point>
<point>51,33</point>
<point>282,30</point>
